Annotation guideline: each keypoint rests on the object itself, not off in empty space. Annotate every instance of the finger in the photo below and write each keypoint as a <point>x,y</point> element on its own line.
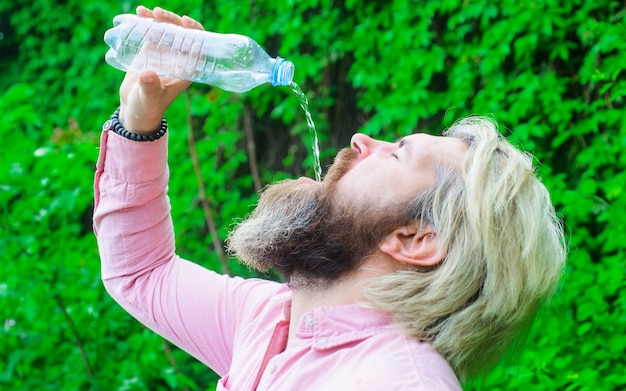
<point>144,12</point>
<point>167,16</point>
<point>191,23</point>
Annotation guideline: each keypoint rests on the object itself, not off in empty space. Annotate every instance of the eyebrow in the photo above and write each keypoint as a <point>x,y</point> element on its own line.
<point>406,144</point>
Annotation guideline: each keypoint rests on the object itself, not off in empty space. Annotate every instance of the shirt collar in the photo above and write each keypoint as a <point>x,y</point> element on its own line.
<point>329,327</point>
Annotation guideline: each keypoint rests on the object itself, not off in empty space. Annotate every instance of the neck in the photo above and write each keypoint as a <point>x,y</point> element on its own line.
<point>347,290</point>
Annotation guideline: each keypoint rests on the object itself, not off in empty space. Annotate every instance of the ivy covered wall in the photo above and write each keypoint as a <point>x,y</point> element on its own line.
<point>552,73</point>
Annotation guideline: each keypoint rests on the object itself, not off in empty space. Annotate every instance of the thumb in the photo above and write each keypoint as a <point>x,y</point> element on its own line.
<point>149,83</point>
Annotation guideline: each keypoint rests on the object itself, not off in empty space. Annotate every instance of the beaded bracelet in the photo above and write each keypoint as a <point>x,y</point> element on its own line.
<point>115,125</point>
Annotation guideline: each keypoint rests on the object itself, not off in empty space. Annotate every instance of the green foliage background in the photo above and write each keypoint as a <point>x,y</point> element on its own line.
<point>550,72</point>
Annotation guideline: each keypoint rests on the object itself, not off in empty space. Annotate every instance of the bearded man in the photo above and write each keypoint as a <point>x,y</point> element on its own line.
<point>413,264</point>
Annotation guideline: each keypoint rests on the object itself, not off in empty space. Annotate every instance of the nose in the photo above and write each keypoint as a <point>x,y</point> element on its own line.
<point>363,144</point>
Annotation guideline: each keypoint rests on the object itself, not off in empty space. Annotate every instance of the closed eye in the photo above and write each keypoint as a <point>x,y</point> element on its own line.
<point>401,144</point>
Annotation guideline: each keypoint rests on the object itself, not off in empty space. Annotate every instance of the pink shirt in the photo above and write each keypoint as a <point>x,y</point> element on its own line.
<point>237,327</point>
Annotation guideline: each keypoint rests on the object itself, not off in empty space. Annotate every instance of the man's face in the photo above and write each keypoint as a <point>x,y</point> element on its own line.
<point>384,173</point>
<point>319,232</point>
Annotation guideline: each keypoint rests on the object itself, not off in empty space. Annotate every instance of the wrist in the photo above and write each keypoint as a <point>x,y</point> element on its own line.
<point>140,125</point>
<point>114,124</point>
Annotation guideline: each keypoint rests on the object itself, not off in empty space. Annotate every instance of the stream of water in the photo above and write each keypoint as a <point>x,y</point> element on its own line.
<point>304,103</point>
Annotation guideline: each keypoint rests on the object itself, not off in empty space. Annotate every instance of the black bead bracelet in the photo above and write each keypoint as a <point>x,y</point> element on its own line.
<point>115,125</point>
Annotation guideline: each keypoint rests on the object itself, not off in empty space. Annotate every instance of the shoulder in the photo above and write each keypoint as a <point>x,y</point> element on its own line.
<point>253,297</point>
<point>433,371</point>
<point>398,362</point>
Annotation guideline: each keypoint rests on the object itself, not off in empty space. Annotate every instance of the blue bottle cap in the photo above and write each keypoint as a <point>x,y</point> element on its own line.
<point>282,74</point>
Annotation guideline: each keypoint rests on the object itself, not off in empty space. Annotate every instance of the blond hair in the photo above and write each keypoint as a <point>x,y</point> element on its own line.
<point>505,254</point>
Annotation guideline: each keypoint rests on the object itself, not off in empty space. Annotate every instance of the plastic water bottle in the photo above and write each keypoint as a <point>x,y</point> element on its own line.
<point>231,62</point>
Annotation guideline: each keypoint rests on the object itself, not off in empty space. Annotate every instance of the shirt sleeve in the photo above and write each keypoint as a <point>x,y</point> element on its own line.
<point>195,308</point>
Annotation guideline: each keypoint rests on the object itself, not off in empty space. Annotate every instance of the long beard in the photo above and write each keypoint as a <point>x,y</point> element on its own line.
<point>303,232</point>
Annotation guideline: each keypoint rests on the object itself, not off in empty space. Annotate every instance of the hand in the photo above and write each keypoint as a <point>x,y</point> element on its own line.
<point>145,97</point>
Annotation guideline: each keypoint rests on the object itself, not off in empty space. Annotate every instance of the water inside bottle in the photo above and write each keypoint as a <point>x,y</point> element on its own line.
<point>304,103</point>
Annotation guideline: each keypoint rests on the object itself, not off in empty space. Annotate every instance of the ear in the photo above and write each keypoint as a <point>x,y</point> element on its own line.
<point>413,245</point>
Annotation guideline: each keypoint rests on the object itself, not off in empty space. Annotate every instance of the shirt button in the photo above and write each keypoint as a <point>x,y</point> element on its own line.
<point>272,368</point>
<point>323,341</point>
<point>309,320</point>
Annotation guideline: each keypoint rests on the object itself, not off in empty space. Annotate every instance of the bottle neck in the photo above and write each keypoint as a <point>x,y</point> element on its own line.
<point>282,73</point>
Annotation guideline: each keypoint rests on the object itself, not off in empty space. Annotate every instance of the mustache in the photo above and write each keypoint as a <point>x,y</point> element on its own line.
<point>341,165</point>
